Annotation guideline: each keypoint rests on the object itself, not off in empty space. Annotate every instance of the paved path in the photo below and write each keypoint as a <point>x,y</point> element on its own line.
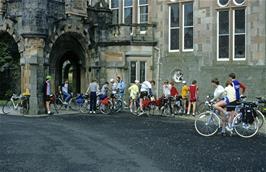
<point>121,142</point>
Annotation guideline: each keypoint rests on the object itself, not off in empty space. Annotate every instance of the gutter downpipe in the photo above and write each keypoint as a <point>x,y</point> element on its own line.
<point>158,70</point>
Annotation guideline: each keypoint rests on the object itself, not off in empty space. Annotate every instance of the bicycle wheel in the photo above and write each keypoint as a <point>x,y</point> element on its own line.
<point>73,105</point>
<point>165,110</point>
<point>25,106</point>
<point>261,118</point>
<point>106,109</point>
<point>207,123</point>
<point>117,106</point>
<point>8,107</point>
<point>243,129</point>
<point>201,108</point>
<point>85,107</point>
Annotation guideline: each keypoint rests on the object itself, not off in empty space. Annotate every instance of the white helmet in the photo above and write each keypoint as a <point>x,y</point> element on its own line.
<point>112,80</point>
<point>184,82</point>
<point>136,81</point>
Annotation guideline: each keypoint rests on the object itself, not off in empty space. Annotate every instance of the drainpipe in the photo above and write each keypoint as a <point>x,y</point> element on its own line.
<point>158,70</point>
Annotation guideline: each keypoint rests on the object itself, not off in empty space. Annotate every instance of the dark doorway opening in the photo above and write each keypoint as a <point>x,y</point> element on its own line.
<point>69,69</point>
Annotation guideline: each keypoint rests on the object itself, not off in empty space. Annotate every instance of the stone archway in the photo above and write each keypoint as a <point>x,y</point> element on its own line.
<point>68,61</point>
<point>10,70</point>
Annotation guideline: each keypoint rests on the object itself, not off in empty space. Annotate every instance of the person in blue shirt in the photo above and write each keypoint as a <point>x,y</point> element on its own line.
<point>120,88</point>
<point>240,88</point>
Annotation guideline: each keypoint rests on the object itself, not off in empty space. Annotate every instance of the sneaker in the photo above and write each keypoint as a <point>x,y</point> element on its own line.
<point>90,111</point>
<point>131,110</point>
<point>65,103</point>
<point>50,113</point>
<point>193,114</point>
<point>94,112</point>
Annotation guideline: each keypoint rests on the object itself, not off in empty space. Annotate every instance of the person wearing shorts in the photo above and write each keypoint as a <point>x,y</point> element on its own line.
<point>228,100</point>
<point>193,93</point>
<point>145,90</point>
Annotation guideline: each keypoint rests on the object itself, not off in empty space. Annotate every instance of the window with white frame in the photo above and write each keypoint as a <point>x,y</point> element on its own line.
<point>239,34</point>
<point>143,13</point>
<point>181,27</point>
<point>187,27</point>
<point>231,30</point>
<point>137,71</point>
<point>174,27</point>
<point>128,9</point>
<point>114,6</point>
<point>223,35</point>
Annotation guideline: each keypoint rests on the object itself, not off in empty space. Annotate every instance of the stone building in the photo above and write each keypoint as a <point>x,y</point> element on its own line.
<point>137,39</point>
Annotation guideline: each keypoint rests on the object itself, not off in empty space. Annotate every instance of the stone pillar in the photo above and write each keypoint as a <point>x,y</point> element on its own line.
<point>34,30</point>
<point>33,72</point>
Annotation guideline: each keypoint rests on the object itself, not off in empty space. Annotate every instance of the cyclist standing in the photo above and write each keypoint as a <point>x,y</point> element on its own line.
<point>193,94</point>
<point>145,90</point>
<point>93,88</point>
<point>121,88</point>
<point>47,94</point>
<point>184,94</point>
<point>133,91</point>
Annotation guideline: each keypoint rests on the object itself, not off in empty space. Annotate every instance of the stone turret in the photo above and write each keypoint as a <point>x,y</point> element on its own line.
<point>34,18</point>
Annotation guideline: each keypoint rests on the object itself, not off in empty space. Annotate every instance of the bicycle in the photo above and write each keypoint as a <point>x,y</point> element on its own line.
<point>149,105</point>
<point>60,103</point>
<point>208,123</point>
<point>172,106</point>
<point>117,103</point>
<point>16,102</point>
<point>104,106</point>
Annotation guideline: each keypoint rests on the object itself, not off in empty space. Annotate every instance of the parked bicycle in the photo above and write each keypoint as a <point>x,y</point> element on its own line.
<point>172,106</point>
<point>208,123</point>
<point>18,103</point>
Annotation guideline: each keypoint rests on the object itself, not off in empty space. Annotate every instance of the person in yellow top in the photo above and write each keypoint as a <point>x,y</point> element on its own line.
<point>133,94</point>
<point>184,94</point>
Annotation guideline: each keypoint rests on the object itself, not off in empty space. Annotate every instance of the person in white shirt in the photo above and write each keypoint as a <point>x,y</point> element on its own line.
<point>230,98</point>
<point>145,90</point>
<point>219,90</point>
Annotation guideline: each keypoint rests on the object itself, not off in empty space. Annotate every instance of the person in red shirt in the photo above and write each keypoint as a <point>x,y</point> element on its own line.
<point>193,94</point>
<point>173,90</point>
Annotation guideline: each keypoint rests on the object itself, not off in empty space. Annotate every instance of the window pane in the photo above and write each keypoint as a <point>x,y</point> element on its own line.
<point>188,14</point>
<point>239,46</point>
<point>223,2</point>
<point>224,22</point>
<point>144,14</point>
<point>188,38</point>
<point>142,72</point>
<point>223,47</point>
<point>174,15</point>
<point>239,21</point>
<point>128,16</point>
<point>133,66</point>
<point>115,17</point>
<point>174,39</point>
<point>127,2</point>
<point>114,3</point>
<point>142,2</point>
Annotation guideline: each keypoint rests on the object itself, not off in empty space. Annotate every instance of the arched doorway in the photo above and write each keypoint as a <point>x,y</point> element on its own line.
<point>68,61</point>
<point>10,70</point>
